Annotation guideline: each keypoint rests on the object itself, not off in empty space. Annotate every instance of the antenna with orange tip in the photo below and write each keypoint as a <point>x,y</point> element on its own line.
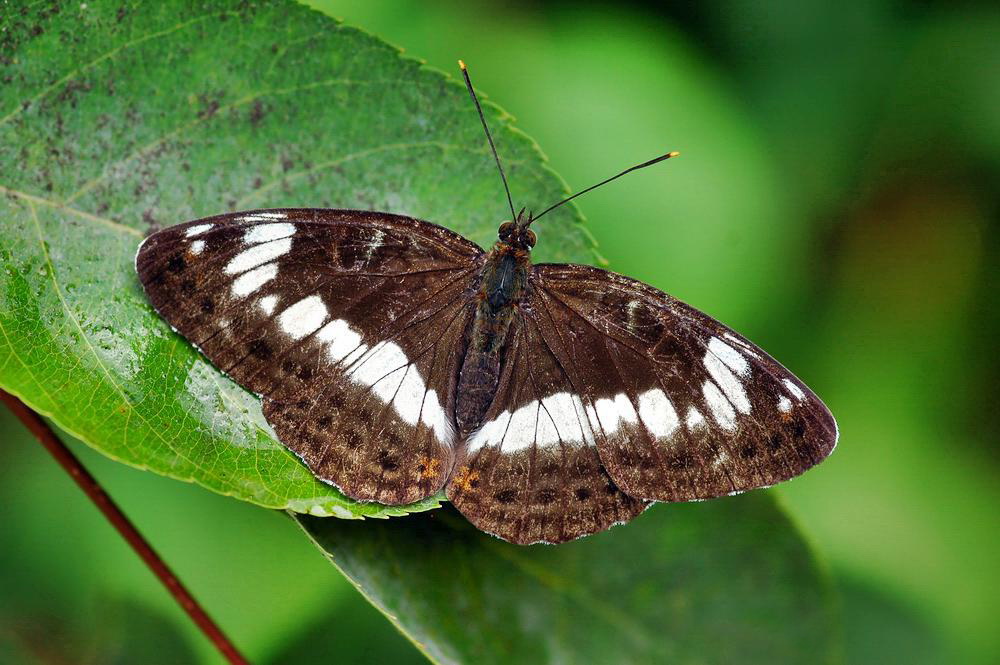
<point>656,160</point>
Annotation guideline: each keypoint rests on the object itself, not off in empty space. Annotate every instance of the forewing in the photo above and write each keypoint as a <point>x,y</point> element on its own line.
<point>532,472</point>
<point>681,407</point>
<point>349,324</point>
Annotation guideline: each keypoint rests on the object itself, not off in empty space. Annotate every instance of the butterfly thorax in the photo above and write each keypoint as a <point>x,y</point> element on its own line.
<point>500,289</point>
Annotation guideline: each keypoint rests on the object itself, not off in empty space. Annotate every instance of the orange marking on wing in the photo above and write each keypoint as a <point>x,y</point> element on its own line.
<point>465,480</point>
<point>429,467</point>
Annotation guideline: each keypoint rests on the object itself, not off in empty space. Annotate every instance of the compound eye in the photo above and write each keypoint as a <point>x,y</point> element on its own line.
<point>530,236</point>
<point>506,229</point>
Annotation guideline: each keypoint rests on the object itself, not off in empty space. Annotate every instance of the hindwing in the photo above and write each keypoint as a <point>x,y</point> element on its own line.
<point>531,472</point>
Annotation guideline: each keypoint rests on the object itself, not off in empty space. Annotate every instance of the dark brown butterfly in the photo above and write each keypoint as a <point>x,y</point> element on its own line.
<point>397,358</point>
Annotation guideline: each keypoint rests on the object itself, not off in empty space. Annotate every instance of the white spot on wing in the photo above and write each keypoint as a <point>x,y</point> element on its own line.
<point>197,230</point>
<point>262,215</point>
<point>258,254</point>
<point>719,406</point>
<point>340,339</point>
<point>611,412</point>
<point>378,237</point>
<point>388,372</point>
<point>565,411</point>
<point>383,358</point>
<point>267,233</point>
<point>632,307</point>
<point>583,420</point>
<point>625,409</point>
<point>491,433</point>
<point>386,387</point>
<point>434,417</point>
<point>592,418</point>
<point>784,404</point>
<point>267,304</point>
<point>794,389</point>
<point>303,317</point>
<point>607,414</point>
<point>559,418</point>
<point>198,246</point>
<point>657,413</point>
<point>743,345</point>
<point>546,433</point>
<point>694,419</point>
<point>726,380</point>
<point>409,397</point>
<point>354,355</point>
<point>733,359</point>
<point>250,281</point>
<point>521,430</point>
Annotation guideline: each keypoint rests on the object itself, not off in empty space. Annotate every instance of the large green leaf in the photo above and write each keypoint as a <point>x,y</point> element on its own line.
<point>727,581</point>
<point>117,118</point>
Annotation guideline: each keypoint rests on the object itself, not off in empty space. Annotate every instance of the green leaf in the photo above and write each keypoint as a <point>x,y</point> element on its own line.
<point>119,118</point>
<point>726,581</point>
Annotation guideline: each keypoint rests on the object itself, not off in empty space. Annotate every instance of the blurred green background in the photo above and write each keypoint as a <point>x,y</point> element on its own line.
<point>836,202</point>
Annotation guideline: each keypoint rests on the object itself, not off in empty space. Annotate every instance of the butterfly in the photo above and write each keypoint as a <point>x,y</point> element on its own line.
<point>397,358</point>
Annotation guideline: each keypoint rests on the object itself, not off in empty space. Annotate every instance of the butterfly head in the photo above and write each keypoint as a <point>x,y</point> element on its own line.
<point>517,234</point>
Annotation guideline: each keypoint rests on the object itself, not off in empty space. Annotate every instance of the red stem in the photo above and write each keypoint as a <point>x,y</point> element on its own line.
<point>113,513</point>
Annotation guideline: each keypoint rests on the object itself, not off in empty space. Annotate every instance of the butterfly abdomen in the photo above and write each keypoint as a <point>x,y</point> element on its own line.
<point>501,289</point>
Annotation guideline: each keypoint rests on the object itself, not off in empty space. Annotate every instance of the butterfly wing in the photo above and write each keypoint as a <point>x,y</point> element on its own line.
<point>532,472</point>
<point>680,406</point>
<point>349,324</point>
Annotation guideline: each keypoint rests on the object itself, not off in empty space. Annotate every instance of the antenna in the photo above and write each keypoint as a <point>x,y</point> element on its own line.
<point>472,93</point>
<point>604,182</point>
